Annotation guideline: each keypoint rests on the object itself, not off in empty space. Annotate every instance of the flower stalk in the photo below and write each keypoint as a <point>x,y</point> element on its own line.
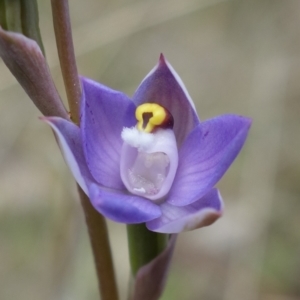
<point>12,11</point>
<point>21,16</point>
<point>96,223</point>
<point>144,245</point>
<point>65,48</point>
<point>101,249</point>
<point>30,21</point>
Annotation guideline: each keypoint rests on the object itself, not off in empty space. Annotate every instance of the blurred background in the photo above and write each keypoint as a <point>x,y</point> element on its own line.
<point>239,57</point>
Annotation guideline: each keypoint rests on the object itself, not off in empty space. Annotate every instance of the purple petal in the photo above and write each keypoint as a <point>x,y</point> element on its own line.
<point>121,207</point>
<point>201,213</point>
<point>25,60</point>
<point>69,140</point>
<point>104,113</point>
<point>206,155</point>
<point>163,86</point>
<point>151,278</point>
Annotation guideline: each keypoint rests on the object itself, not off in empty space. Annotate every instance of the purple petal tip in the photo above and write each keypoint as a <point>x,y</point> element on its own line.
<point>162,60</point>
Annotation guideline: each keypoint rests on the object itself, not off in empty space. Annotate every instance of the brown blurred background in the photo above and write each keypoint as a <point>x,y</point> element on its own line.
<point>239,57</point>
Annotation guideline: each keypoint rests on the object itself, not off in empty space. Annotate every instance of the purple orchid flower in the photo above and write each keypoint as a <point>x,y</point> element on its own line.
<point>150,159</point>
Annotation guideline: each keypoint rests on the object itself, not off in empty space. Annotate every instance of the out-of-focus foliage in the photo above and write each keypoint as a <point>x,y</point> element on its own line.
<point>239,57</point>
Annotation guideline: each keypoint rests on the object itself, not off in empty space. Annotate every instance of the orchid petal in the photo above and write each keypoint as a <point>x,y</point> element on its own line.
<point>164,87</point>
<point>69,139</point>
<point>121,207</point>
<point>104,113</point>
<point>206,155</point>
<point>201,213</point>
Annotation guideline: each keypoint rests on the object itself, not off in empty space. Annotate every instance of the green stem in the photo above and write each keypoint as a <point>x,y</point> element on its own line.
<point>3,22</point>
<point>30,21</point>
<point>21,16</point>
<point>13,15</point>
<point>144,245</point>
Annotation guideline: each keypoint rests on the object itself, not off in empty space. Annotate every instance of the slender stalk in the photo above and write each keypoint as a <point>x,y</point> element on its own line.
<point>101,249</point>
<point>30,21</point>
<point>95,222</point>
<point>13,15</point>
<point>3,23</point>
<point>64,41</point>
<point>144,245</point>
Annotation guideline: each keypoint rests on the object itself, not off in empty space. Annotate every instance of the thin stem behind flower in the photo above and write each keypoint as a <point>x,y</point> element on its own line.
<point>95,222</point>
<point>64,41</point>
<point>101,249</point>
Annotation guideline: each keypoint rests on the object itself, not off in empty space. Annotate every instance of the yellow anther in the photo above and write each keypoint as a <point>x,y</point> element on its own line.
<point>150,115</point>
